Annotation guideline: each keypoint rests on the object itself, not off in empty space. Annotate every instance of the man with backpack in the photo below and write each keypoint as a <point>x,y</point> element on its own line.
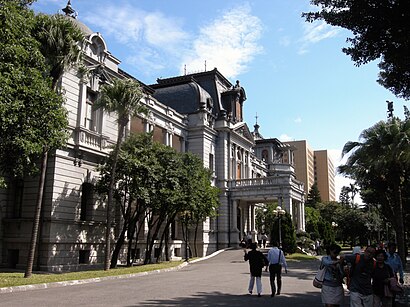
<point>362,269</point>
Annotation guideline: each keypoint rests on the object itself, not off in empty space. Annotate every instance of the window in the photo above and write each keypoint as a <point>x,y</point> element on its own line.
<point>87,194</point>
<point>211,162</point>
<point>92,120</point>
<point>18,198</point>
<point>83,256</point>
<point>265,155</point>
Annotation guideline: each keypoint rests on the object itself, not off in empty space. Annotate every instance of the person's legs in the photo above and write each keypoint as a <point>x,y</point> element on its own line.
<point>355,300</point>
<point>279,276</point>
<point>272,275</point>
<point>367,300</point>
<point>259,284</point>
<point>251,283</point>
<point>377,301</point>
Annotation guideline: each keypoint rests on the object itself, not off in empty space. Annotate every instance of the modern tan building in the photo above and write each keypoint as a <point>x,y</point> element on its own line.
<point>325,175</point>
<point>314,166</point>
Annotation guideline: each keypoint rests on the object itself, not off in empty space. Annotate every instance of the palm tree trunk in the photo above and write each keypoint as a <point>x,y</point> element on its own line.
<point>36,220</point>
<point>401,243</point>
<point>109,201</point>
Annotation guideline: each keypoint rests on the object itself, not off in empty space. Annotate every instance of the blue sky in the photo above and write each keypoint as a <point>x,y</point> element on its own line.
<point>297,80</point>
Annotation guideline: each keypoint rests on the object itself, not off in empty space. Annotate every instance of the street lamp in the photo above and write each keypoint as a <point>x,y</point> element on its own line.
<point>279,212</point>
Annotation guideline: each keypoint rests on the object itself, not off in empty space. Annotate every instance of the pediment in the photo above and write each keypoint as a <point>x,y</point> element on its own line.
<point>243,130</point>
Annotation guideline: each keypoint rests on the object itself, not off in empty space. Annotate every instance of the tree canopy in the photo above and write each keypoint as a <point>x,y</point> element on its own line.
<point>380,164</point>
<point>31,113</point>
<point>380,31</point>
<point>313,196</point>
<point>156,183</point>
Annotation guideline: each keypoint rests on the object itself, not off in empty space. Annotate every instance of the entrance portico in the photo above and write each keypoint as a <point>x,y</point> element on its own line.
<point>246,193</point>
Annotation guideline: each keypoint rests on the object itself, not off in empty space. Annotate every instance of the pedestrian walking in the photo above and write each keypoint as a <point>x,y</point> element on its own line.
<point>249,239</point>
<point>394,261</point>
<point>277,260</point>
<point>264,239</point>
<point>257,261</point>
<point>362,268</point>
<point>332,288</point>
<point>259,236</point>
<point>381,278</point>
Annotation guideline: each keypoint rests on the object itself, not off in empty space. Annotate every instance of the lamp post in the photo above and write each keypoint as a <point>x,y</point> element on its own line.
<point>279,212</point>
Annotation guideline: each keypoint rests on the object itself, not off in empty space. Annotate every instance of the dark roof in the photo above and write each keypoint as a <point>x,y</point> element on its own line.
<point>84,29</point>
<point>190,77</point>
<point>184,98</point>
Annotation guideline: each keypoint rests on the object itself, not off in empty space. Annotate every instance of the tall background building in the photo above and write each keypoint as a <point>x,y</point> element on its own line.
<point>314,166</point>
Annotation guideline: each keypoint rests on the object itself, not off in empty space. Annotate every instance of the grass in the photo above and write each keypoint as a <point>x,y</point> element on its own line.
<point>17,279</point>
<point>299,257</point>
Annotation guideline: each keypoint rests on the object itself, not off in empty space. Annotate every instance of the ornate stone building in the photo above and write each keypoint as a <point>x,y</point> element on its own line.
<point>201,113</point>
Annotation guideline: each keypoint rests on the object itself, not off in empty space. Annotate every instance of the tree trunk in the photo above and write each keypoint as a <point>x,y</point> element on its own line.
<point>118,246</point>
<point>109,201</point>
<point>401,243</point>
<point>36,220</point>
<point>131,231</point>
<point>195,239</point>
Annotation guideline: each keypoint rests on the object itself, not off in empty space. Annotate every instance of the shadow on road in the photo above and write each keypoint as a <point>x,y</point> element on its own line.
<point>221,299</point>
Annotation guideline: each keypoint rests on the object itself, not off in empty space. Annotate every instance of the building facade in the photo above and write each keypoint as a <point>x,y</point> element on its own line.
<point>325,175</point>
<point>314,166</point>
<point>201,113</point>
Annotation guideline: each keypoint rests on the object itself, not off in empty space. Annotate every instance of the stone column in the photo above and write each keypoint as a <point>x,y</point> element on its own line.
<point>234,215</point>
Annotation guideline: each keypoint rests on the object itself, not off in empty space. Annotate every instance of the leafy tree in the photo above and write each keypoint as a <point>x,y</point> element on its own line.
<point>201,197</point>
<point>353,190</point>
<point>32,118</point>
<point>379,31</point>
<point>379,163</point>
<point>313,219</point>
<point>288,233</point>
<point>133,181</point>
<point>313,197</point>
<point>60,42</point>
<point>122,97</point>
<point>344,197</point>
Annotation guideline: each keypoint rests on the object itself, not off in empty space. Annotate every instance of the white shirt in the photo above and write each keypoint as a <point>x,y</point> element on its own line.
<point>275,256</point>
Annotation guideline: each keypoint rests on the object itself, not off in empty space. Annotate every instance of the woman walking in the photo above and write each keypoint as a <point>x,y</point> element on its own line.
<point>381,279</point>
<point>332,289</point>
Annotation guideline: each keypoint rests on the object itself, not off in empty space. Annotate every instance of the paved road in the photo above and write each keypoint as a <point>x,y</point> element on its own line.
<point>218,281</point>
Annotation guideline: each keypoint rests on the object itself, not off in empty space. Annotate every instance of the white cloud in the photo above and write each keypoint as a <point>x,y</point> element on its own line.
<point>130,26</point>
<point>156,41</point>
<point>298,120</point>
<point>229,43</point>
<point>315,32</point>
<point>153,40</point>
<point>285,138</point>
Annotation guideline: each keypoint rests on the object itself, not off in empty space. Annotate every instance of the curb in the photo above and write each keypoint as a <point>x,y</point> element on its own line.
<point>100,279</point>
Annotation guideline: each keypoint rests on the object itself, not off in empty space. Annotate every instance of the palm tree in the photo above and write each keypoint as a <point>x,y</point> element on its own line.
<point>59,38</point>
<point>353,191</point>
<point>380,165</point>
<point>59,44</point>
<point>122,97</point>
